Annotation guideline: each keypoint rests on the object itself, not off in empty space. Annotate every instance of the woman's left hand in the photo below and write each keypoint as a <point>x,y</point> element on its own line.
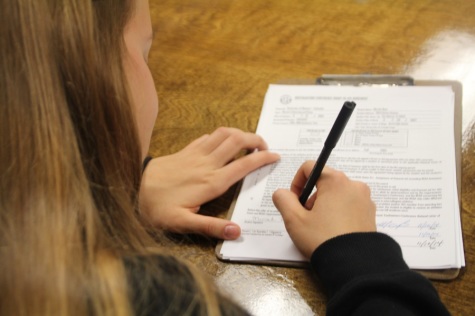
<point>174,187</point>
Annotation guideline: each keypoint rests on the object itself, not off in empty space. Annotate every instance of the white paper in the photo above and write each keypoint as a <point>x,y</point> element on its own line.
<point>399,140</point>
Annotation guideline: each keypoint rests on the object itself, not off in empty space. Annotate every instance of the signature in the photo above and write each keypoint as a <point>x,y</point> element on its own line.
<point>394,225</point>
<point>430,243</point>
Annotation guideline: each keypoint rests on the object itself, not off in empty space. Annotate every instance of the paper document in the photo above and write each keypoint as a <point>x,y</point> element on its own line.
<point>399,140</point>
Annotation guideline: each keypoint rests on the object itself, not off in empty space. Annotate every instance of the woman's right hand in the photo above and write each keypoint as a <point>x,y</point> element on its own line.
<point>339,206</point>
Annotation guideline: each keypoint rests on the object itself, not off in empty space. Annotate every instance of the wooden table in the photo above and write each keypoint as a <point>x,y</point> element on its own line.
<point>212,61</point>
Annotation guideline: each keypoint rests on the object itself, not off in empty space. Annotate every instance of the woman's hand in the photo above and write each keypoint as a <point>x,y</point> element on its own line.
<point>174,187</point>
<point>339,206</point>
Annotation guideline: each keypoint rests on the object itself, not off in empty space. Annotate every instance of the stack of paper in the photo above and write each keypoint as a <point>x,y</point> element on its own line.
<point>399,140</point>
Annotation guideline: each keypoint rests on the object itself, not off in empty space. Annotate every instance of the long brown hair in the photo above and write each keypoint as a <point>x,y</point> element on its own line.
<point>69,161</point>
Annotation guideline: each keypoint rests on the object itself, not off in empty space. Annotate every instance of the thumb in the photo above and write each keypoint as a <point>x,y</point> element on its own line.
<point>287,203</point>
<point>212,226</point>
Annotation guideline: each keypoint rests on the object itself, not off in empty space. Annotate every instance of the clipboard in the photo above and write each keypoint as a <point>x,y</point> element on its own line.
<point>379,80</point>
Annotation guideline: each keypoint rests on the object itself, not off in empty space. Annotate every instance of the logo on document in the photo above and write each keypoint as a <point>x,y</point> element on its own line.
<point>285,99</point>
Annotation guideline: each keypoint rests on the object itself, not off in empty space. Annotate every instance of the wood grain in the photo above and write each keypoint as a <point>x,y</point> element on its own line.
<point>212,61</point>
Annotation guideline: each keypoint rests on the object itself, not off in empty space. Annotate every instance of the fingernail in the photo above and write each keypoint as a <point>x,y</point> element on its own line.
<point>231,232</point>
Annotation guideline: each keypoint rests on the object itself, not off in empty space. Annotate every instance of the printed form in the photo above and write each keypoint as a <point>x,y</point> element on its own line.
<point>399,140</point>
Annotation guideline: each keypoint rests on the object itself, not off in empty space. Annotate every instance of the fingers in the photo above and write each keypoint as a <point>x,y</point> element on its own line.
<point>286,202</point>
<point>235,143</point>
<point>311,201</point>
<point>300,178</point>
<point>197,142</point>
<point>239,168</point>
<point>217,138</point>
<point>297,220</point>
<point>208,226</point>
<point>340,206</point>
<point>225,143</point>
<point>303,173</point>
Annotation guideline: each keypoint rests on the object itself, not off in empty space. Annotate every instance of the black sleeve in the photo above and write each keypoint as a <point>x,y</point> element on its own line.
<point>365,274</point>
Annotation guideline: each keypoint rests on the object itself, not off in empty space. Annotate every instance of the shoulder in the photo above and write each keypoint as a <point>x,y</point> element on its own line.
<point>163,284</point>
<point>158,283</point>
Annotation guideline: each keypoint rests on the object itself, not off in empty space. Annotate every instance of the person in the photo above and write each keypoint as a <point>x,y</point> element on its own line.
<point>78,221</point>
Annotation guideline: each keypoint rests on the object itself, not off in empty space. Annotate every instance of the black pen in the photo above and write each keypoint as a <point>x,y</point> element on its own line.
<point>330,143</point>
